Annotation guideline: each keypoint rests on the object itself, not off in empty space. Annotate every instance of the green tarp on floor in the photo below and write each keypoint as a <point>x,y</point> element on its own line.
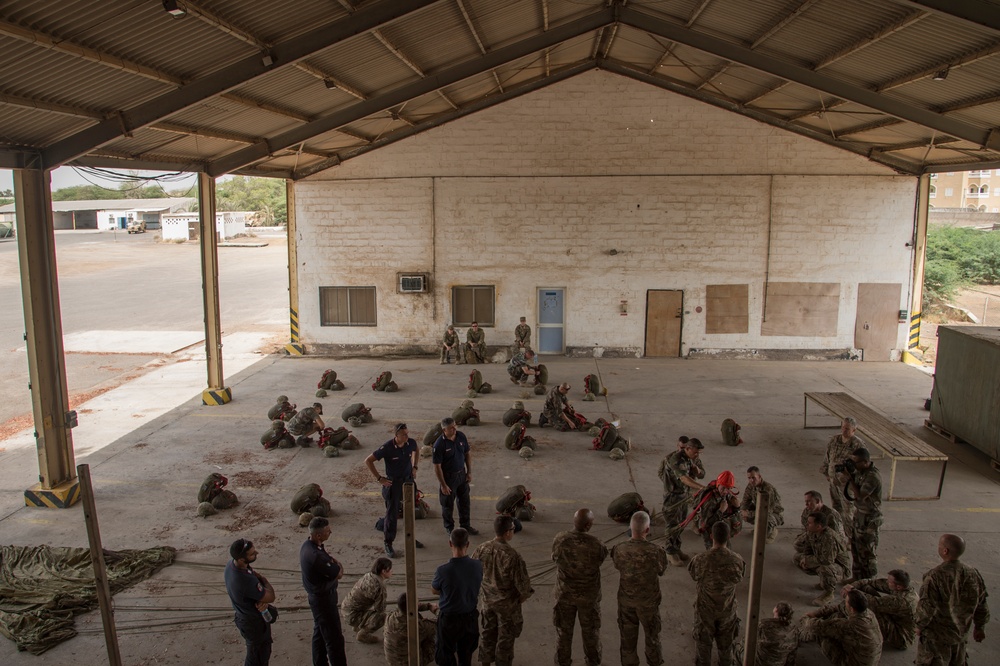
<point>43,587</point>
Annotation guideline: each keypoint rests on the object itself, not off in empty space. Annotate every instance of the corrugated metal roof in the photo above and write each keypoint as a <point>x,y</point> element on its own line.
<point>807,66</point>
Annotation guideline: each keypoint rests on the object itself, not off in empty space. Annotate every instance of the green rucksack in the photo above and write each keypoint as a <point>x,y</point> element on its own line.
<point>622,507</point>
<point>515,436</point>
<point>383,381</point>
<point>330,382</point>
<point>542,376</point>
<point>432,435</point>
<point>357,410</point>
<point>212,487</point>
<point>731,433</point>
<point>515,415</point>
<point>607,436</point>
<point>307,496</point>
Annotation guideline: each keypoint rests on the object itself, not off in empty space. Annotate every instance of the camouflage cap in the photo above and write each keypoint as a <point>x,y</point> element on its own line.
<point>282,398</point>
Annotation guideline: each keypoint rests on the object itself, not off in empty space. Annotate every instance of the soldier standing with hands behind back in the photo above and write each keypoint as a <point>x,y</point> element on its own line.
<point>578,557</point>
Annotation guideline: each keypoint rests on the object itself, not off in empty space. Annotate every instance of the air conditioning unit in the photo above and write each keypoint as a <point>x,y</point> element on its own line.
<point>413,283</point>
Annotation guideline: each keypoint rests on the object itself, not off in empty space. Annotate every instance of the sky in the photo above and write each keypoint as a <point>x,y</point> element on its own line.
<point>68,177</point>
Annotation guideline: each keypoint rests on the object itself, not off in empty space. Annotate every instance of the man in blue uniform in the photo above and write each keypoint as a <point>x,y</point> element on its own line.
<point>400,455</point>
<point>250,593</point>
<point>320,573</point>
<point>457,584</point>
<point>453,467</point>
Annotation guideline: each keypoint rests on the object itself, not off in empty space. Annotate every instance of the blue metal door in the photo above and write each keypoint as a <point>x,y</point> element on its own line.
<point>551,327</point>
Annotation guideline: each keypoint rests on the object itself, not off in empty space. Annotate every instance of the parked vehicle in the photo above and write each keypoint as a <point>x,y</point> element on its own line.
<point>136,226</point>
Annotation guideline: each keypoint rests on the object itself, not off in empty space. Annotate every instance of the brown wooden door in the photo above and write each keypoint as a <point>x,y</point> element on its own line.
<point>663,322</point>
<point>876,328</point>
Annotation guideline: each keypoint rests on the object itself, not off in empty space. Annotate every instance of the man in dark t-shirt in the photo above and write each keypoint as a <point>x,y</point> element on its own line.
<point>453,467</point>
<point>320,573</point>
<point>457,584</point>
<point>400,456</point>
<point>250,593</point>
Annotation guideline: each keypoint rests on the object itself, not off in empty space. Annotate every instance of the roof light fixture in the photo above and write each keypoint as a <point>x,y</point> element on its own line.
<point>942,75</point>
<point>173,8</point>
<point>331,85</point>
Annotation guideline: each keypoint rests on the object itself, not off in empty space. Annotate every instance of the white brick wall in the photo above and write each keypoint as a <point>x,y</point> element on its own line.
<point>535,192</point>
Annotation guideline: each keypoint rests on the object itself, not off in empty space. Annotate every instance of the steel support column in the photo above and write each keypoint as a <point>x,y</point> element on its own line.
<point>919,255</point>
<point>58,486</point>
<point>217,392</point>
<point>294,346</point>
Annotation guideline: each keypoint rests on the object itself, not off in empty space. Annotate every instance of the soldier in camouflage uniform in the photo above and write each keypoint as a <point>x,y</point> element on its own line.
<point>639,563</point>
<point>814,502</point>
<point>865,485</point>
<point>578,557</point>
<point>364,607</point>
<point>777,638</point>
<point>823,554</point>
<point>952,600</point>
<point>520,367</point>
<point>505,587</point>
<point>307,421</point>
<point>522,336</point>
<point>678,472</point>
<point>558,412</point>
<point>396,640</point>
<point>715,503</point>
<point>748,507</point>
<point>475,343</point>
<point>848,633</point>
<point>839,448</point>
<point>894,603</point>
<point>716,573</point>
<point>450,344</point>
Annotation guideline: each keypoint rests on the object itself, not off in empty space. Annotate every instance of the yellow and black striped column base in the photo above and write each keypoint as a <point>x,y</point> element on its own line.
<point>62,496</point>
<point>216,397</point>
<point>914,330</point>
<point>295,349</point>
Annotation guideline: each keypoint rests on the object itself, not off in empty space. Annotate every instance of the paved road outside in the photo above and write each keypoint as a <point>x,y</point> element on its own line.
<point>116,290</point>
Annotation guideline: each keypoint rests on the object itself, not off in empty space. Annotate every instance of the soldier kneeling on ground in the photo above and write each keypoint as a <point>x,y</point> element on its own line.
<point>521,367</point>
<point>305,423</point>
<point>396,637</point>
<point>559,413</point>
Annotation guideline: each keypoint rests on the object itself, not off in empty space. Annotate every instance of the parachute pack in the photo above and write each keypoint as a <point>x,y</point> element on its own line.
<point>329,381</point>
<point>477,384</point>
<point>513,499</point>
<point>515,415</point>
<point>592,387</point>
<point>622,507</point>
<point>517,437</point>
<point>731,433</point>
<point>357,411</point>
<point>307,496</point>
<point>277,437</point>
<point>608,437</point>
<point>384,383</point>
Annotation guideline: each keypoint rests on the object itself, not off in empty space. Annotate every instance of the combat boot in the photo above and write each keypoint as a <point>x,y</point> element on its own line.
<point>675,559</point>
<point>823,599</point>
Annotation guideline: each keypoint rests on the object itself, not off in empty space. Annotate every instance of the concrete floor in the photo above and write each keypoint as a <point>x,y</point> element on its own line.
<point>147,480</point>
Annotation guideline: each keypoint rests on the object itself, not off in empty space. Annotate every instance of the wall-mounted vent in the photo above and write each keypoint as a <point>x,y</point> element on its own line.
<point>413,283</point>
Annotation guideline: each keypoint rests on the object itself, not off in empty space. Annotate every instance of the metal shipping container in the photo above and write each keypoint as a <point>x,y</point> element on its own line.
<point>965,400</point>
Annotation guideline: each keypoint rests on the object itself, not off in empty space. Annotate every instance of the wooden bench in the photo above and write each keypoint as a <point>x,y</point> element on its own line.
<point>878,429</point>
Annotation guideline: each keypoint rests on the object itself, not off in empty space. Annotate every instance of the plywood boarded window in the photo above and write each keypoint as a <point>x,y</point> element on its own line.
<point>473,304</point>
<point>727,308</point>
<point>347,306</point>
<point>801,308</point>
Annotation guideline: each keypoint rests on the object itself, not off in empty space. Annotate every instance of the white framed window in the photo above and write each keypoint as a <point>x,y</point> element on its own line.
<point>949,191</point>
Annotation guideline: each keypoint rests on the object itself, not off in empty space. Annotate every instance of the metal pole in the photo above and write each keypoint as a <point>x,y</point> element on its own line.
<point>294,346</point>
<point>53,418</point>
<point>217,393</point>
<point>100,572</point>
<point>412,628</point>
<point>756,579</point>
<point>919,255</point>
